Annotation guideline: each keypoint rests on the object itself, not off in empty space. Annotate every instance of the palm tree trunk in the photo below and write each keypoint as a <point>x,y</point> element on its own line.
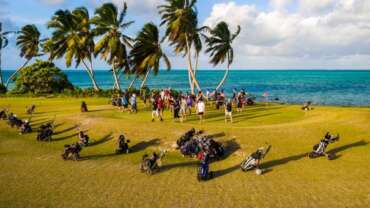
<point>145,78</point>
<point>195,69</point>
<point>1,73</point>
<point>117,84</point>
<point>91,75</point>
<point>191,82</point>
<point>16,72</point>
<point>190,65</point>
<point>224,78</point>
<point>132,83</point>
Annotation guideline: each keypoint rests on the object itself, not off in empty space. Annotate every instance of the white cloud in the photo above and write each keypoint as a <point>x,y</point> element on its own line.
<point>316,6</point>
<point>52,2</point>
<point>280,4</point>
<point>337,35</point>
<point>140,7</point>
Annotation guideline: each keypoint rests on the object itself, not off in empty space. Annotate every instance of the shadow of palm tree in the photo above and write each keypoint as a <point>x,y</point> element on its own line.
<point>65,130</point>
<point>106,138</point>
<point>144,144</point>
<point>345,147</point>
<point>220,173</point>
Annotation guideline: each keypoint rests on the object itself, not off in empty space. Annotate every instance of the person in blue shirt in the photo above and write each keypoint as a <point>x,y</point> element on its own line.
<point>133,103</point>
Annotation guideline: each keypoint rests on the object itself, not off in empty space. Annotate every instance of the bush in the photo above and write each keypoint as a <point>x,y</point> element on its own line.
<point>3,89</point>
<point>41,78</point>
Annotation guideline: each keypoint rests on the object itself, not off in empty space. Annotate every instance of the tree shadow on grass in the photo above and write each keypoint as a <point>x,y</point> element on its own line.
<point>220,173</point>
<point>105,138</point>
<point>144,144</point>
<point>346,147</point>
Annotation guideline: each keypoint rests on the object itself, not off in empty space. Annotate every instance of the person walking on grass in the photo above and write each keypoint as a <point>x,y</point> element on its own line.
<point>189,102</point>
<point>229,111</point>
<point>154,108</point>
<point>201,108</point>
<point>183,106</point>
<point>133,103</point>
<point>160,107</point>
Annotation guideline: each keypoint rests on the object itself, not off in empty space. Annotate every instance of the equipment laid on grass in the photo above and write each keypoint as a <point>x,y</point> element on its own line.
<point>45,132</point>
<point>254,160</point>
<point>191,143</point>
<point>151,164</point>
<point>319,150</point>
<point>72,152</point>
<point>123,147</point>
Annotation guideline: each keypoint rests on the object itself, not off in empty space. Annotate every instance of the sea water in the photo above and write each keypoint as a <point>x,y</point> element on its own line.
<point>325,87</point>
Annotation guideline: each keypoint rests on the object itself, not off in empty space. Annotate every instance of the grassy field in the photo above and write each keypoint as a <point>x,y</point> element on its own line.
<point>32,174</point>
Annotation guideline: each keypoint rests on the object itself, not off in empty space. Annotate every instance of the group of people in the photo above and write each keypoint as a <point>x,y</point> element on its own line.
<point>181,104</point>
<point>126,101</point>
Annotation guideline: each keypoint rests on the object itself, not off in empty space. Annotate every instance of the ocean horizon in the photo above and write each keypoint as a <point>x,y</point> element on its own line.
<point>321,86</point>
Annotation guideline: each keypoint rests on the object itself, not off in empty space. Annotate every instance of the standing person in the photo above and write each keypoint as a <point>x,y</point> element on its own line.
<point>154,108</point>
<point>189,102</point>
<point>240,102</point>
<point>201,108</point>
<point>160,107</point>
<point>176,108</point>
<point>183,106</point>
<point>229,111</point>
<point>133,103</point>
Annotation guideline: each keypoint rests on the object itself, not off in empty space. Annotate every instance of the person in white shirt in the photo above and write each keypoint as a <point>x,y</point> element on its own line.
<point>201,108</point>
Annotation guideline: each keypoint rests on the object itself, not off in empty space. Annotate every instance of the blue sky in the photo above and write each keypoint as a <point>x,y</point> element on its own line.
<point>276,34</point>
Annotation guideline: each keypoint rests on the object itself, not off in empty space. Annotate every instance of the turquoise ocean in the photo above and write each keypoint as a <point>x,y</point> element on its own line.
<point>324,87</point>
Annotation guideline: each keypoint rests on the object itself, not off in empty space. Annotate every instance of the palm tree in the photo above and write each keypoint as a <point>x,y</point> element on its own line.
<point>181,20</point>
<point>219,45</point>
<point>72,39</point>
<point>29,43</point>
<point>147,53</point>
<point>112,46</point>
<point>3,43</point>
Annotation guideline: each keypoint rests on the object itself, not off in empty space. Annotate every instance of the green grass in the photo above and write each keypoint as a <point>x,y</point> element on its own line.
<point>32,174</point>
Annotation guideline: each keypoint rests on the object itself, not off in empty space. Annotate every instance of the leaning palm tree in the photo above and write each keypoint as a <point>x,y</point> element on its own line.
<point>28,42</point>
<point>181,20</point>
<point>72,39</point>
<point>110,24</point>
<point>147,52</point>
<point>3,43</point>
<point>219,45</point>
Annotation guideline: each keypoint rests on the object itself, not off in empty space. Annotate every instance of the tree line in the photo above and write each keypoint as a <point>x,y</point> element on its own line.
<point>79,38</point>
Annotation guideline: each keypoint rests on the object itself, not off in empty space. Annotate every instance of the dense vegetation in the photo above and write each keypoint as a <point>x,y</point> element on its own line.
<point>41,78</point>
